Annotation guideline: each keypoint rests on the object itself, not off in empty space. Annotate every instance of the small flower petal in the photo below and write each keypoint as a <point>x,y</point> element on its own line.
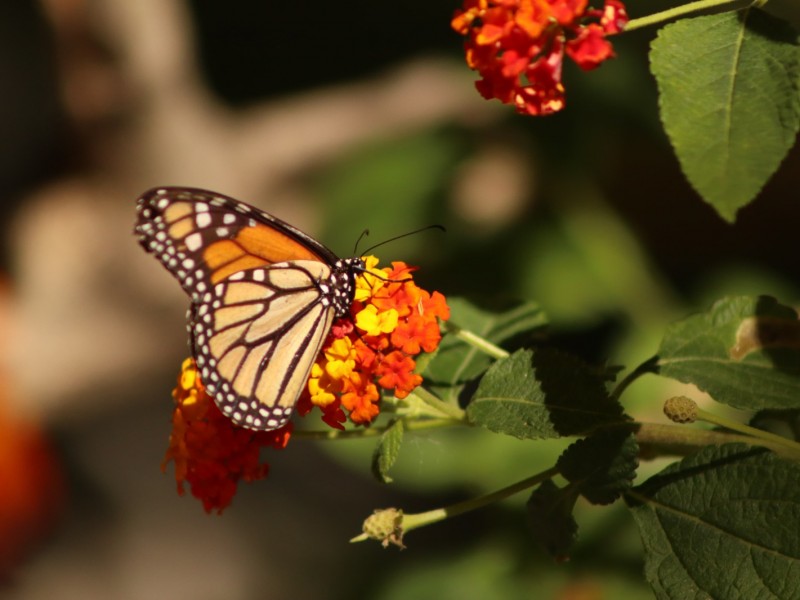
<point>590,48</point>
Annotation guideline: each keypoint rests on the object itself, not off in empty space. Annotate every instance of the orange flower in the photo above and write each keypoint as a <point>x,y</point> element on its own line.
<point>210,453</point>
<point>360,397</point>
<point>396,372</point>
<point>415,335</point>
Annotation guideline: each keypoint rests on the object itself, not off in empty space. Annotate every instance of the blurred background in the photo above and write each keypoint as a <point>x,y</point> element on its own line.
<point>335,117</point>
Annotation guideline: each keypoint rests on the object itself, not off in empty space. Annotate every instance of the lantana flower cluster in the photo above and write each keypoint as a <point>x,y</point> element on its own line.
<point>518,46</point>
<point>391,321</point>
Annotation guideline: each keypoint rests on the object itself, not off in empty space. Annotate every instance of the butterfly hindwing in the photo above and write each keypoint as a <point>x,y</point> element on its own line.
<point>256,338</point>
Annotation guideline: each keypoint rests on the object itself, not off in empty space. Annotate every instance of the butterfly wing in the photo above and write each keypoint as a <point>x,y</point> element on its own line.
<point>203,237</point>
<point>255,341</point>
<point>263,297</point>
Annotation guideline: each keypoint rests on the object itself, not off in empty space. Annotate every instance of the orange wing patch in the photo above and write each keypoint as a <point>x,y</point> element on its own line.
<point>253,247</point>
<point>273,245</point>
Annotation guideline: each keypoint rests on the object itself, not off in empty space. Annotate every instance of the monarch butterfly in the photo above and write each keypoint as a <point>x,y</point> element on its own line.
<point>264,296</point>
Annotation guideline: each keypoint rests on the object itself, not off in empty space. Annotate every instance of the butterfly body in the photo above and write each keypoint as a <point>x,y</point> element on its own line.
<point>263,297</point>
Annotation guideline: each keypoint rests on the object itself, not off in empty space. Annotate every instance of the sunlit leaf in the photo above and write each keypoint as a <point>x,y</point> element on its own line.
<point>745,352</point>
<point>729,100</point>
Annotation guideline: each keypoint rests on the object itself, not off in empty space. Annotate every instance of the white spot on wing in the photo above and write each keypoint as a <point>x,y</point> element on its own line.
<point>194,241</point>
<point>203,219</point>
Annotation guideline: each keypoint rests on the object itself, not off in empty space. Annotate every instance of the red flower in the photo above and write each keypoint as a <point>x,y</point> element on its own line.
<point>210,453</point>
<point>518,46</point>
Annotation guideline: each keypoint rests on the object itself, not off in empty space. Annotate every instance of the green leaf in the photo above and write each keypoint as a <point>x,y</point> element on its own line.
<point>542,394</point>
<point>457,364</point>
<point>722,524</point>
<point>601,466</point>
<point>728,86</point>
<point>550,518</point>
<point>745,352</point>
<point>386,451</point>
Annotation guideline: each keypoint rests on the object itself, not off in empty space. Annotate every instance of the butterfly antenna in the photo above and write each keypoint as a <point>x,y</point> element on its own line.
<point>364,234</point>
<point>397,237</point>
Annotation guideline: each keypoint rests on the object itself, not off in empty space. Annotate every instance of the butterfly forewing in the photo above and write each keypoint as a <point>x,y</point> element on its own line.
<point>202,237</point>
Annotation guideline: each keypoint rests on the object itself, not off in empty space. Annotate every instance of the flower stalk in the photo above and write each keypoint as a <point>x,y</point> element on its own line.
<point>406,523</point>
<point>438,407</point>
<point>476,341</point>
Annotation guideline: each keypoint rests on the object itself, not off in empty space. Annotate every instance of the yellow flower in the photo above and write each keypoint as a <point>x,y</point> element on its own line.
<point>375,323</point>
<point>188,378</point>
<point>341,358</point>
<point>319,387</point>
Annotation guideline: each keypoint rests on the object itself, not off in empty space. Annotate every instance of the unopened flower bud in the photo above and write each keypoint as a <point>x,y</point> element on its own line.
<point>681,409</point>
<point>385,525</point>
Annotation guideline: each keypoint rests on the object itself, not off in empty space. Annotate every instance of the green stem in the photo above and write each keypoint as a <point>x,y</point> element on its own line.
<point>350,434</point>
<point>459,508</point>
<point>476,341</point>
<point>648,366</point>
<point>686,9</point>
<point>441,407</point>
<point>415,521</point>
<point>766,438</point>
